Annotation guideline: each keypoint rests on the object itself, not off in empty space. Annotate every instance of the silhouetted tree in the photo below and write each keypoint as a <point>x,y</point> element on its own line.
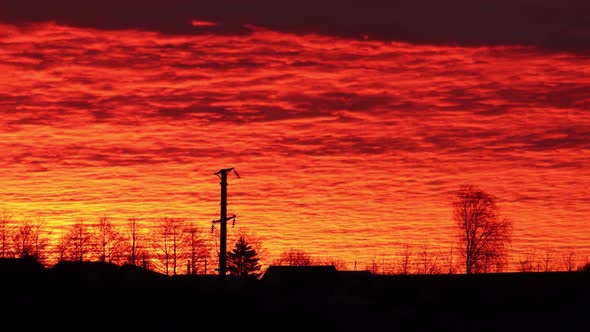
<point>22,239</point>
<point>484,234</point>
<point>133,237</point>
<point>243,260</point>
<point>167,243</point>
<point>198,252</point>
<point>176,228</point>
<point>374,267</point>
<point>530,263</point>
<point>29,241</point>
<point>294,257</point>
<point>144,256</point>
<point>40,241</point>
<point>5,221</point>
<point>109,241</point>
<point>568,258</point>
<point>428,261</point>
<point>547,259</point>
<point>406,260</point>
<point>62,247</point>
<point>78,241</point>
<point>252,238</point>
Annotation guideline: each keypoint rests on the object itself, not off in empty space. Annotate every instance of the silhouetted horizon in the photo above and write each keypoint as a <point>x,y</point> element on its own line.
<point>318,296</point>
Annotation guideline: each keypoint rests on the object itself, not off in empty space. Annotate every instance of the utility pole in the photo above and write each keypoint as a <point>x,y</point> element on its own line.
<point>222,174</point>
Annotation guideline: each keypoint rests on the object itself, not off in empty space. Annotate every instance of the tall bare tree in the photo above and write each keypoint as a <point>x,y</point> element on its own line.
<point>167,243</point>
<point>78,241</point>
<point>40,240</point>
<point>198,252</point>
<point>133,237</point>
<point>22,238</point>
<point>62,247</point>
<point>109,241</point>
<point>484,234</point>
<point>176,228</point>
<point>29,240</point>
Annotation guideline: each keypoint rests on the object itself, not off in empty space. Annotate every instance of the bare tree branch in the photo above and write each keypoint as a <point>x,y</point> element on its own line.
<point>484,234</point>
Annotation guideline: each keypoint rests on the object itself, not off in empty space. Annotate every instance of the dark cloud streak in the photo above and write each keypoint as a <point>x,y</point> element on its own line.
<point>552,24</point>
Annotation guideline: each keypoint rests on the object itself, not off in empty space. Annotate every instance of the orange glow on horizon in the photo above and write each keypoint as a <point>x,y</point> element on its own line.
<point>347,149</point>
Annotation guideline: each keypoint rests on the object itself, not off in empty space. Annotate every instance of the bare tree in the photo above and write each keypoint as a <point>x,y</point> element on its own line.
<point>133,236</point>
<point>568,259</point>
<point>40,240</point>
<point>62,247</point>
<point>484,234</point>
<point>143,255</point>
<point>294,257</point>
<point>161,244</point>
<point>547,259</point>
<point>5,224</point>
<point>530,262</point>
<point>378,266</point>
<point>374,267</point>
<point>197,249</point>
<point>427,263</point>
<point>167,243</point>
<point>176,229</point>
<point>78,241</point>
<point>109,241</point>
<point>22,239</point>
<point>29,240</point>
<point>406,260</point>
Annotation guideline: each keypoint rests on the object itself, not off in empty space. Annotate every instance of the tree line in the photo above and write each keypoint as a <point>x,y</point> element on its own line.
<point>171,245</point>
<point>175,246</point>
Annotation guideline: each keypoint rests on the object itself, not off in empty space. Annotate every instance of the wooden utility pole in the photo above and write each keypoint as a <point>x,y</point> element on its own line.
<point>222,174</point>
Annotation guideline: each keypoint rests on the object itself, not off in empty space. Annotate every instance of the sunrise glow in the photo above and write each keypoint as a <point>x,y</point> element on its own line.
<point>347,148</point>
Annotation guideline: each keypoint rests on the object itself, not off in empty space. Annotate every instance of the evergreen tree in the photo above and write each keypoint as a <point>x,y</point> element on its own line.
<point>242,261</point>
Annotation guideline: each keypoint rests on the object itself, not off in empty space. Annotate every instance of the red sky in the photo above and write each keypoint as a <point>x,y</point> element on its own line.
<point>347,148</point>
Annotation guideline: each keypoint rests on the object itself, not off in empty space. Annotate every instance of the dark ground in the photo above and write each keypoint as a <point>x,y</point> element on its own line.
<point>95,297</point>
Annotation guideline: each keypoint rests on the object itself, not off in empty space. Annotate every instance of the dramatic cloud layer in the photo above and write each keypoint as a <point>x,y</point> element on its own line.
<point>346,148</point>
